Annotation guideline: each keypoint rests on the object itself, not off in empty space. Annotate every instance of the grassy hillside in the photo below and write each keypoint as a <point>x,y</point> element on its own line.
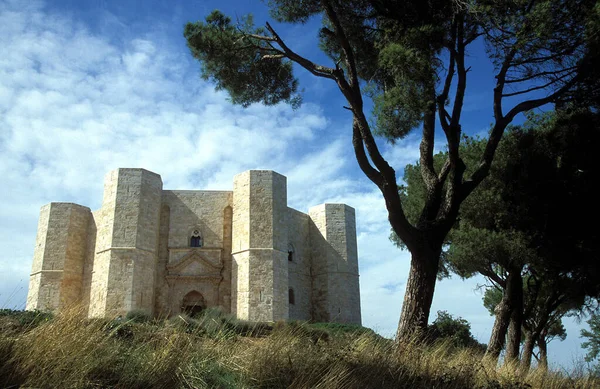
<point>216,351</point>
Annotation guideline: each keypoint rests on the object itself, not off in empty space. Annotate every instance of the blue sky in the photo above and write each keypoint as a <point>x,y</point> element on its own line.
<point>88,86</point>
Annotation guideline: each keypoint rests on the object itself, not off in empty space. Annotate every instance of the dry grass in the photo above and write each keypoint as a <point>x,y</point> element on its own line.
<point>216,351</point>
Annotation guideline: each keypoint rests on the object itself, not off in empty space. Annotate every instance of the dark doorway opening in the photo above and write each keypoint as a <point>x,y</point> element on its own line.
<point>193,303</point>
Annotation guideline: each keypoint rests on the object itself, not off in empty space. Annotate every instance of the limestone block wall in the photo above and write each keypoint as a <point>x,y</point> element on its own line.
<point>134,252</point>
<point>336,295</point>
<point>210,213</point>
<point>225,283</point>
<point>127,244</point>
<point>88,266</point>
<point>260,269</point>
<point>56,279</point>
<point>299,268</point>
<point>104,218</point>
<point>202,210</point>
<point>161,298</point>
<point>321,250</point>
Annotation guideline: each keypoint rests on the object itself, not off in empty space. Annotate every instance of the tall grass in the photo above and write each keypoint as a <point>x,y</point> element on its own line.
<point>216,351</point>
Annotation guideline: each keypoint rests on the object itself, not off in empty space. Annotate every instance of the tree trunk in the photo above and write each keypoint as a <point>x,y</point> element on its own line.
<point>527,352</point>
<point>513,344</point>
<point>496,343</point>
<point>543,346</point>
<point>535,336</point>
<point>419,293</point>
<point>503,312</point>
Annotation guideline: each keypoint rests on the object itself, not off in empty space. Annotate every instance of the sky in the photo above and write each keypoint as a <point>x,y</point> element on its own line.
<point>87,86</point>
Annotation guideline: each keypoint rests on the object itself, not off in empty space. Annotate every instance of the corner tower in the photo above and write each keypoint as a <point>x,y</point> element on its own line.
<point>59,256</point>
<point>127,243</point>
<point>259,246</point>
<point>336,293</point>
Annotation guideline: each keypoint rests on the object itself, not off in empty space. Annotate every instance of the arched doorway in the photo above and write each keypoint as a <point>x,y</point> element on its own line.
<point>193,303</point>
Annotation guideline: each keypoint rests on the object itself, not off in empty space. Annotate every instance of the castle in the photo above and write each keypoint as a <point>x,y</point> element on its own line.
<point>165,252</point>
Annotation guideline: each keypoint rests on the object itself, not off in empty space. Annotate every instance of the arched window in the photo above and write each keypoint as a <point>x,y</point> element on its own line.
<point>196,239</point>
<point>290,252</point>
<point>291,297</point>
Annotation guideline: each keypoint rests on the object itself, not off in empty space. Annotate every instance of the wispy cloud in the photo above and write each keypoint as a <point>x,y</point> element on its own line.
<point>75,105</point>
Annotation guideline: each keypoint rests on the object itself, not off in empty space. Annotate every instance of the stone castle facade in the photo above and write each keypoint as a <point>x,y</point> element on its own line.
<point>171,251</point>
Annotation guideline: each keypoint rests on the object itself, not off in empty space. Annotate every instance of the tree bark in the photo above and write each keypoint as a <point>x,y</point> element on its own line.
<point>419,293</point>
<point>527,352</point>
<point>503,313</point>
<point>543,346</point>
<point>536,334</point>
<point>513,343</point>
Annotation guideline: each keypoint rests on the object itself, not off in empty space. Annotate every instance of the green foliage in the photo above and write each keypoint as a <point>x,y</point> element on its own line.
<point>491,298</point>
<point>294,11</point>
<point>25,319</point>
<point>232,59</point>
<point>395,55</point>
<point>592,343</point>
<point>475,250</point>
<point>546,29</point>
<point>556,330</point>
<point>456,330</point>
<point>541,180</point>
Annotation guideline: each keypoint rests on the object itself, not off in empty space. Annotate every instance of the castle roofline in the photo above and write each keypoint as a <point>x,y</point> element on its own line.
<point>135,169</point>
<point>333,205</point>
<point>259,171</point>
<point>65,203</point>
<point>196,191</point>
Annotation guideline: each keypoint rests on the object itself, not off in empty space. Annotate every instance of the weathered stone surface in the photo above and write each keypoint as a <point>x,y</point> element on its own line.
<point>336,295</point>
<point>58,260</point>
<point>251,255</point>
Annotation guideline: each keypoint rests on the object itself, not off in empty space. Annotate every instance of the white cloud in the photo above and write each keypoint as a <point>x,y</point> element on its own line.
<point>75,105</point>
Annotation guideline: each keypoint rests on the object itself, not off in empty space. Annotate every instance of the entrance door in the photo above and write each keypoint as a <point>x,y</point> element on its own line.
<point>193,303</point>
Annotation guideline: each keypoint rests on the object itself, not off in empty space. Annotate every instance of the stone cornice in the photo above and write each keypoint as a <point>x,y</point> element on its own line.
<point>46,271</point>
<point>259,248</point>
<point>126,248</point>
<point>193,256</point>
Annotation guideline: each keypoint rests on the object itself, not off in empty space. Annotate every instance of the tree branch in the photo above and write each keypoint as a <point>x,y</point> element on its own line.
<point>317,70</point>
<point>259,37</point>
<point>363,162</point>
<point>444,172</point>
<point>443,97</point>
<point>273,56</point>
<point>457,167</point>
<point>426,146</point>
<point>531,104</point>
<point>345,45</point>
<point>462,75</point>
<point>538,87</point>
<point>540,74</point>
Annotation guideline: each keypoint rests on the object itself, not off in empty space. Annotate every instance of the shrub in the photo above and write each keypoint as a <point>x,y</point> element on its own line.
<point>25,319</point>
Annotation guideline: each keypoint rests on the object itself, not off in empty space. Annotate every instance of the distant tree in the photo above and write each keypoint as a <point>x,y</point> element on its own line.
<point>457,330</point>
<point>592,344</point>
<point>554,329</point>
<point>534,317</point>
<point>409,58</point>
